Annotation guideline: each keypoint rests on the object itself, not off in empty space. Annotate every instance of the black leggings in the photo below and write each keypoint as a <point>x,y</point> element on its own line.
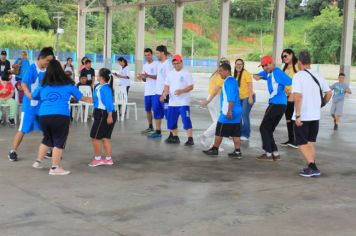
<point>290,123</point>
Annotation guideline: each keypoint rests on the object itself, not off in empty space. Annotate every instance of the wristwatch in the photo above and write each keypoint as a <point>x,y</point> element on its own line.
<point>297,116</point>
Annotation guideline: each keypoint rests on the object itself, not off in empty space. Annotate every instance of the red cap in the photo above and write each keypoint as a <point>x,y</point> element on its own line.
<point>266,60</point>
<point>177,57</point>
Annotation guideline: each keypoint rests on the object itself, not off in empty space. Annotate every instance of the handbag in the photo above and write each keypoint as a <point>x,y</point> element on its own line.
<point>323,102</point>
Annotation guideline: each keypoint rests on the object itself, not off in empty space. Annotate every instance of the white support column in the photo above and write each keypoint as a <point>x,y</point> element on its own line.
<point>224,27</point>
<point>81,32</point>
<point>107,34</point>
<point>280,10</point>
<point>347,34</point>
<point>178,27</point>
<point>140,37</point>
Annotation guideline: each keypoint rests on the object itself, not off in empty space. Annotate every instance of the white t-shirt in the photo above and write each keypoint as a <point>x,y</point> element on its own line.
<point>150,84</point>
<point>163,69</point>
<point>304,84</point>
<point>125,72</point>
<point>179,80</point>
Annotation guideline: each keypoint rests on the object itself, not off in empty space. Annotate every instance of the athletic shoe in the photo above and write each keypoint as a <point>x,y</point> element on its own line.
<point>202,139</point>
<point>38,165</point>
<point>211,152</point>
<point>308,172</point>
<point>147,131</point>
<point>12,156</point>
<point>276,157</point>
<point>336,127</point>
<point>190,142</point>
<point>172,140</point>
<point>243,138</point>
<point>95,163</point>
<point>49,154</point>
<point>155,135</point>
<point>285,144</point>
<point>293,145</point>
<point>264,157</point>
<point>108,162</point>
<point>58,171</point>
<point>235,155</point>
<point>11,122</point>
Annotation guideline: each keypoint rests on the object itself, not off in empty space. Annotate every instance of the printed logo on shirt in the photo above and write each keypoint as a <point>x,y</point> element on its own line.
<point>53,96</point>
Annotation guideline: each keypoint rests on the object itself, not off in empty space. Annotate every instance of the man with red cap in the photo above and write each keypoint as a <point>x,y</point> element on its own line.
<point>276,82</point>
<point>178,84</point>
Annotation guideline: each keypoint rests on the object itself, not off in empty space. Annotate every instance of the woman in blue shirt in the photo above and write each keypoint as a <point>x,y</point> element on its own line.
<point>54,95</point>
<point>105,117</point>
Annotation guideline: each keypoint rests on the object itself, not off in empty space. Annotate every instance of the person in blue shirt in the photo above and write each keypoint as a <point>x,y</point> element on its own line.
<point>29,114</point>
<point>229,122</point>
<point>23,63</point>
<point>54,94</point>
<point>277,80</point>
<point>105,117</point>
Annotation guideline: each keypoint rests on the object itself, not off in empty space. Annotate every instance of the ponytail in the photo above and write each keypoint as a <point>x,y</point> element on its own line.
<point>108,77</point>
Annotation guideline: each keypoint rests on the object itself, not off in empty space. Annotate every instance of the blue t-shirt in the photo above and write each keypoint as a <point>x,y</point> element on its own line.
<point>276,83</point>
<point>103,98</point>
<point>230,93</point>
<point>55,99</point>
<point>339,91</point>
<point>32,78</point>
<point>23,67</point>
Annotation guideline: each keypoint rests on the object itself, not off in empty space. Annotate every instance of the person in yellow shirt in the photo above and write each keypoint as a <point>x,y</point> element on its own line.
<point>290,68</point>
<point>247,96</point>
<point>212,102</point>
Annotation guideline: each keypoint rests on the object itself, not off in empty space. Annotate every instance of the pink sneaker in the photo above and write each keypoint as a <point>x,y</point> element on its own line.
<point>108,162</point>
<point>95,163</point>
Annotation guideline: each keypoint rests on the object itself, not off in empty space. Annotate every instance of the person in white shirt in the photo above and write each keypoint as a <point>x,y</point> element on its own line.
<point>124,74</point>
<point>149,76</point>
<point>178,84</point>
<point>159,107</point>
<point>311,92</point>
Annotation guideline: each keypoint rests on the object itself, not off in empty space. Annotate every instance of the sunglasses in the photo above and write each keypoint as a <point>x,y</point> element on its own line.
<point>285,56</point>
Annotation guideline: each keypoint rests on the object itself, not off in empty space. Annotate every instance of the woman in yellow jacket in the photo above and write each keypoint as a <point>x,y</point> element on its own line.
<point>247,96</point>
<point>290,68</point>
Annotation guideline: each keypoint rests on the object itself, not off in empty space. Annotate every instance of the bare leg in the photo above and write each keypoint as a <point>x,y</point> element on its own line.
<point>217,141</point>
<point>174,132</point>
<point>337,119</point>
<point>96,147</point>
<point>107,147</point>
<point>17,140</point>
<point>42,151</point>
<point>149,117</point>
<point>56,156</point>
<point>190,133</point>
<point>307,151</point>
<point>158,124</point>
<point>237,142</point>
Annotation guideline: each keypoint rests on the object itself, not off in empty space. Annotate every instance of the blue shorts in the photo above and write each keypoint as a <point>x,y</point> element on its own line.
<point>173,115</point>
<point>149,103</point>
<point>159,108</point>
<point>29,122</point>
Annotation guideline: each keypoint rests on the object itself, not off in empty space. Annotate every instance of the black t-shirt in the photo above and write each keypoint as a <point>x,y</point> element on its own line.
<point>88,73</point>
<point>4,65</point>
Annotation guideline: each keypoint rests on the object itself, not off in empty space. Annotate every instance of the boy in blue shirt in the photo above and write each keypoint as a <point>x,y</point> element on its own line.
<point>29,115</point>
<point>340,90</point>
<point>229,123</point>
<point>23,64</point>
<point>277,80</point>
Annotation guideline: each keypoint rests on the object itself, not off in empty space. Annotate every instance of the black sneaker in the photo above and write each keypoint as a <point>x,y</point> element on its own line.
<point>293,145</point>
<point>12,156</point>
<point>147,131</point>
<point>285,144</point>
<point>49,154</point>
<point>235,155</point>
<point>336,127</point>
<point>172,140</point>
<point>211,152</point>
<point>190,142</point>
<point>12,122</point>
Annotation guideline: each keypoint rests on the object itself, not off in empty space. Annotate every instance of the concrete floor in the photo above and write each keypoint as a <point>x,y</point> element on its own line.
<point>172,190</point>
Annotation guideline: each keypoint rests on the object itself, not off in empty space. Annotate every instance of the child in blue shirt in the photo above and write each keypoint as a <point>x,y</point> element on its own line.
<point>105,117</point>
<point>54,95</point>
<point>340,90</point>
<point>29,115</point>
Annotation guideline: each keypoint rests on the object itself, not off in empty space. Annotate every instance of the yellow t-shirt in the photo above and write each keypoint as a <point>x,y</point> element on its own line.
<point>215,80</point>
<point>290,72</point>
<point>246,78</point>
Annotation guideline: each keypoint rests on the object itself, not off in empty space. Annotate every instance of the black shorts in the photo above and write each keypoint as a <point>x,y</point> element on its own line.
<point>55,130</point>
<point>306,133</point>
<point>228,130</point>
<point>101,129</point>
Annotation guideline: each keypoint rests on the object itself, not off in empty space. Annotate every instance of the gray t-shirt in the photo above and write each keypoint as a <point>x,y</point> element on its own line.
<point>339,91</point>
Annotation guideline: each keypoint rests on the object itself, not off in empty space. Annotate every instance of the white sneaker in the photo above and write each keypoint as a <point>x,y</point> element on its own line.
<point>202,139</point>
<point>38,165</point>
<point>221,149</point>
<point>58,171</point>
<point>243,138</point>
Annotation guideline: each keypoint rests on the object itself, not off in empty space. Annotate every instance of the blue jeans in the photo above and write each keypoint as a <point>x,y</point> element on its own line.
<point>245,124</point>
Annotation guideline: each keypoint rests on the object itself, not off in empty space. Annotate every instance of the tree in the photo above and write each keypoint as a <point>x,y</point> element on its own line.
<point>325,36</point>
<point>164,15</point>
<point>35,17</point>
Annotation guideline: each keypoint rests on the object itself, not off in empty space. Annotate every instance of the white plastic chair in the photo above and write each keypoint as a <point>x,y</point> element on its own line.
<point>86,91</point>
<point>120,99</point>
